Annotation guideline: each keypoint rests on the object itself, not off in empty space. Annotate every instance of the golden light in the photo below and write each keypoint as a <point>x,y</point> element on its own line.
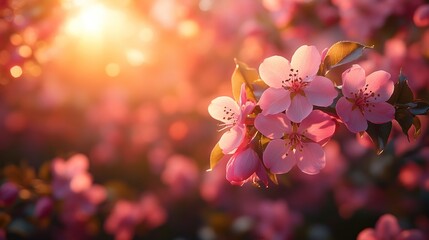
<point>25,51</point>
<point>105,31</point>
<point>16,39</point>
<point>112,69</point>
<point>135,57</point>
<point>188,28</point>
<point>91,20</point>
<point>16,71</point>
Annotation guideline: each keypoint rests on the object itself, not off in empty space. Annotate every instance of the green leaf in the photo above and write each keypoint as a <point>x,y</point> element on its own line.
<point>215,156</point>
<point>379,134</point>
<point>402,93</point>
<point>250,77</point>
<point>341,53</point>
<point>405,120</point>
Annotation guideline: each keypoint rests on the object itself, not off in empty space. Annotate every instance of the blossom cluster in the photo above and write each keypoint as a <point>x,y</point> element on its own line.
<point>105,134</point>
<point>298,112</point>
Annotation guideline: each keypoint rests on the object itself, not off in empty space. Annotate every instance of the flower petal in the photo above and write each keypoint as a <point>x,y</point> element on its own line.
<point>311,159</point>
<point>379,82</point>
<point>353,80</point>
<point>320,91</point>
<point>232,139</point>
<point>273,126</point>
<point>299,108</point>
<point>274,100</point>
<point>352,118</point>
<point>367,234</point>
<point>421,16</point>
<point>318,126</point>
<point>387,227</point>
<point>379,112</point>
<point>307,60</point>
<point>76,164</point>
<point>277,157</point>
<point>222,108</point>
<point>274,70</point>
<point>241,166</point>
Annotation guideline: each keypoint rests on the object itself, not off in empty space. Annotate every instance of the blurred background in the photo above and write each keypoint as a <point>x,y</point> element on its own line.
<point>105,134</point>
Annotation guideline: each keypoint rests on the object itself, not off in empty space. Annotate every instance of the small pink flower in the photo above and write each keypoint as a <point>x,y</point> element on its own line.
<point>387,228</point>
<point>294,86</point>
<point>365,98</point>
<point>294,143</point>
<point>180,174</point>
<point>244,165</point>
<point>421,16</point>
<point>126,216</point>
<point>79,207</point>
<point>233,116</point>
<point>70,176</point>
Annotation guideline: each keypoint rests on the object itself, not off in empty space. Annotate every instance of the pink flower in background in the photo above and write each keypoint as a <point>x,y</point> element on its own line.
<point>8,193</point>
<point>244,165</point>
<point>294,143</point>
<point>70,176</point>
<point>123,219</point>
<point>294,86</point>
<point>365,98</point>
<point>421,16</point>
<point>275,220</point>
<point>387,228</point>
<point>180,174</point>
<point>43,207</point>
<point>360,18</point>
<point>126,216</point>
<point>233,116</point>
<point>79,207</point>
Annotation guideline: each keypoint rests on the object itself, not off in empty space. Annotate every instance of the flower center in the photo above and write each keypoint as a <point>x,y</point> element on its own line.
<point>295,140</point>
<point>229,118</point>
<point>363,99</point>
<point>294,83</point>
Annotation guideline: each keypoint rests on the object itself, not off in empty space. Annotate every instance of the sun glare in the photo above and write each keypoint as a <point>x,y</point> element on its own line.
<point>92,20</point>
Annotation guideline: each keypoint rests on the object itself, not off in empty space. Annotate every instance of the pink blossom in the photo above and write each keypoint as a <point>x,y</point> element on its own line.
<point>233,116</point>
<point>365,98</point>
<point>274,220</point>
<point>387,228</point>
<point>70,176</point>
<point>43,207</point>
<point>79,207</point>
<point>8,193</point>
<point>359,18</point>
<point>127,215</point>
<point>180,174</point>
<point>421,16</point>
<point>294,143</point>
<point>294,86</point>
<point>244,165</point>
